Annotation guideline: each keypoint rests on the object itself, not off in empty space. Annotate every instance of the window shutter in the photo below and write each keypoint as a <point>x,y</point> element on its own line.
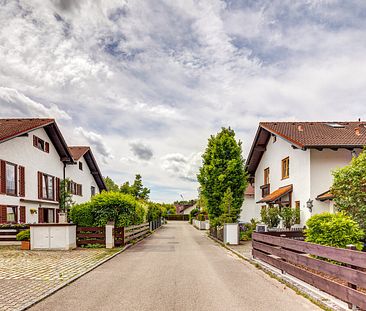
<point>2,177</point>
<point>40,175</point>
<point>34,141</point>
<point>21,181</point>
<point>58,189</point>
<point>22,214</point>
<point>40,215</point>
<point>47,147</point>
<point>81,190</point>
<point>57,216</point>
<point>3,217</point>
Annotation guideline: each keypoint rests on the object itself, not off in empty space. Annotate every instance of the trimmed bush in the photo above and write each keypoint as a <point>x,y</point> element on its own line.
<point>337,230</point>
<point>23,235</point>
<point>154,211</point>
<point>82,215</point>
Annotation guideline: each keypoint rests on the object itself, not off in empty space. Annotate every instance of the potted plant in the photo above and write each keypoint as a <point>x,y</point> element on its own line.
<point>24,237</point>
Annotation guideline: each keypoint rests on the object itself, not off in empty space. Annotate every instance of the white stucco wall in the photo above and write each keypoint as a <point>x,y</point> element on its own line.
<point>299,176</point>
<point>249,210</point>
<point>21,151</point>
<point>83,177</point>
<point>322,164</point>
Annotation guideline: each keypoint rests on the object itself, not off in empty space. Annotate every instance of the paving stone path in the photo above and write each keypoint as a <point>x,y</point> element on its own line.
<point>25,276</point>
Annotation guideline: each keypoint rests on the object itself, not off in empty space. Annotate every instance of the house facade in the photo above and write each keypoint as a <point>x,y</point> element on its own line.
<point>291,163</point>
<point>249,210</point>
<point>34,158</point>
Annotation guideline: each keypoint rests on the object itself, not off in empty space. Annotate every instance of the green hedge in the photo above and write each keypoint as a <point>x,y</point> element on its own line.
<point>337,230</point>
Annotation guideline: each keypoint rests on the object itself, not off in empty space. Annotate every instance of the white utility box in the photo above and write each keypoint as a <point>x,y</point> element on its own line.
<point>231,234</point>
<point>53,236</point>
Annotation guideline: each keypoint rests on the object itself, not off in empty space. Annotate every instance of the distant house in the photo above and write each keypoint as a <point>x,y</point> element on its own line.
<point>184,209</point>
<point>291,163</point>
<point>34,158</point>
<point>249,209</point>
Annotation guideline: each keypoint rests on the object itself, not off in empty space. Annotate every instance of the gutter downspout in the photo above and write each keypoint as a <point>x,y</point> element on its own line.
<point>64,186</point>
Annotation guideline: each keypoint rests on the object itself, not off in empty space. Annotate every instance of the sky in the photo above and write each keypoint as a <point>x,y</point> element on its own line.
<point>145,83</point>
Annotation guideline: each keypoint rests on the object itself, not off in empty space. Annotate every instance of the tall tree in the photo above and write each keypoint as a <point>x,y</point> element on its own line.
<point>138,190</point>
<point>349,189</point>
<point>126,188</point>
<point>111,185</point>
<point>223,171</point>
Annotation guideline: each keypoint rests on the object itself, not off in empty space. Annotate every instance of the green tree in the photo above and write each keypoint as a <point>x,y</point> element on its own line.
<point>111,185</point>
<point>223,169</point>
<point>125,188</point>
<point>65,195</point>
<point>138,190</point>
<point>349,189</point>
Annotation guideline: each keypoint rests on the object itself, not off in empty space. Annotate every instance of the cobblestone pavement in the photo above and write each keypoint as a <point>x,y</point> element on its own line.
<point>25,276</point>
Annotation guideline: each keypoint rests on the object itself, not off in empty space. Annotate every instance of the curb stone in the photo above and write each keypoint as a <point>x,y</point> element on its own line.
<point>73,279</point>
<point>309,292</point>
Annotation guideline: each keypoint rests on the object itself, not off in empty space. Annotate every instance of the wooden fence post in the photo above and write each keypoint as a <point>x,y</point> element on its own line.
<point>353,286</point>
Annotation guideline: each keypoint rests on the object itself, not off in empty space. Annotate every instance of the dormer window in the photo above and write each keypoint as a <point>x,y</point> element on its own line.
<point>41,144</point>
<point>80,165</point>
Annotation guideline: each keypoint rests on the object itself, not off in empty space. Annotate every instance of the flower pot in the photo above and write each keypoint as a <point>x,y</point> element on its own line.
<point>25,245</point>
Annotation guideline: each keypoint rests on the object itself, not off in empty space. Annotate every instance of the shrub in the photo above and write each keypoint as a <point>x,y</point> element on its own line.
<point>246,229</point>
<point>337,230</point>
<point>82,215</point>
<point>289,216</point>
<point>270,216</point>
<point>154,211</point>
<point>23,235</point>
<point>201,217</point>
<point>194,212</point>
<point>121,208</point>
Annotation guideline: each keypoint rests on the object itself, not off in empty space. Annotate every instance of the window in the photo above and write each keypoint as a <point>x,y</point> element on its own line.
<point>11,177</point>
<point>48,186</point>
<point>11,214</point>
<point>285,168</point>
<point>266,176</point>
<point>92,190</point>
<point>48,215</point>
<point>80,166</point>
<point>75,188</point>
<point>40,144</point>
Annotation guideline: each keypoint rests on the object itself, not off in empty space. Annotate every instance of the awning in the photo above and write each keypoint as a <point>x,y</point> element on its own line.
<point>276,195</point>
<point>327,195</point>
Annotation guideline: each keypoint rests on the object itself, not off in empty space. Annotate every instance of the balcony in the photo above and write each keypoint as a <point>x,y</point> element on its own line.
<point>266,190</point>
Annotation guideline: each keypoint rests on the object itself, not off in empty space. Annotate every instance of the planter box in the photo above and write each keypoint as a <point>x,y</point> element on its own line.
<point>207,225</point>
<point>231,234</point>
<point>25,246</point>
<point>53,236</point>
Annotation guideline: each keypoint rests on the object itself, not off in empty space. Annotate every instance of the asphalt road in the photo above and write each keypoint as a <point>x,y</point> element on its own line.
<point>177,268</point>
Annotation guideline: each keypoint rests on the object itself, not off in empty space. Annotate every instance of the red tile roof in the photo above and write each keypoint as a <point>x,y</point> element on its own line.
<point>78,151</point>
<point>325,196</point>
<point>10,128</point>
<point>277,194</point>
<point>320,134</point>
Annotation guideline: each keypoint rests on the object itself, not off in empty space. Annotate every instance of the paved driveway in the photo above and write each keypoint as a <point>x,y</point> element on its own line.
<point>177,268</point>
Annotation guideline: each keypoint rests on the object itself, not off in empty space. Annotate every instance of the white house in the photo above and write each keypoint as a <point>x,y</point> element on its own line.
<point>34,158</point>
<point>249,209</point>
<point>291,163</point>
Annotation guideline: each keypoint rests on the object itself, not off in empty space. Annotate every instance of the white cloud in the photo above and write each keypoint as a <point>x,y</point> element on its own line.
<point>15,103</point>
<point>180,166</point>
<point>141,150</point>
<point>97,143</point>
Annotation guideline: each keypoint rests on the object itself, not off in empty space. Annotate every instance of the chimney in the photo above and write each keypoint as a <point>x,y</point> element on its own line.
<point>300,128</point>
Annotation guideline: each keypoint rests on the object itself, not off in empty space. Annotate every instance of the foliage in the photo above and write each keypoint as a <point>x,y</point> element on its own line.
<point>201,217</point>
<point>167,209</point>
<point>82,215</point>
<point>23,235</point>
<point>349,189</point>
<point>246,229</point>
<point>13,226</point>
<point>65,195</point>
<point>223,169</point>
<point>154,211</point>
<point>270,216</point>
<point>121,208</point>
<point>336,230</point>
<point>186,202</point>
<point>136,189</point>
<point>221,220</point>
<point>111,185</point>
<point>93,246</point>
<point>289,216</point>
<point>194,212</point>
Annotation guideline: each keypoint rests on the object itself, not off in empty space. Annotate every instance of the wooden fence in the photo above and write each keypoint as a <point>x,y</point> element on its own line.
<point>217,232</point>
<point>134,232</point>
<point>184,217</point>
<point>90,235</point>
<point>9,234</point>
<point>345,280</point>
